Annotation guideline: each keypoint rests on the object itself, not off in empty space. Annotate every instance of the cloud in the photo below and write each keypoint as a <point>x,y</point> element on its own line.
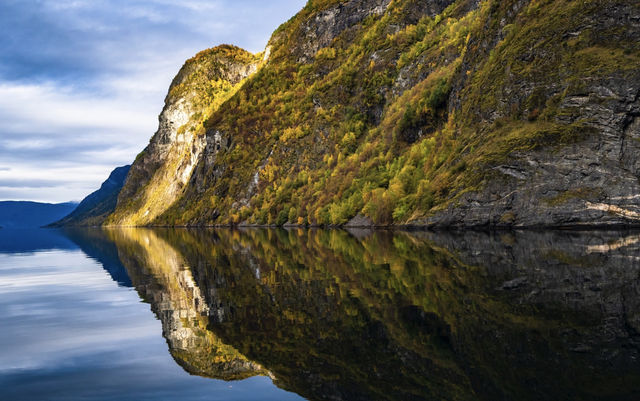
<point>77,39</point>
<point>82,82</point>
<point>34,183</point>
<point>55,138</point>
<point>45,107</point>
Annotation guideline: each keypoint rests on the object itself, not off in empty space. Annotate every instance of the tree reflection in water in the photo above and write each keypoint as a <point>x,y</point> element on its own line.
<point>364,315</point>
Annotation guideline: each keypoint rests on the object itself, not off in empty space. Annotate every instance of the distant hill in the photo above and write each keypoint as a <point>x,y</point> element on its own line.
<point>93,209</point>
<point>24,214</point>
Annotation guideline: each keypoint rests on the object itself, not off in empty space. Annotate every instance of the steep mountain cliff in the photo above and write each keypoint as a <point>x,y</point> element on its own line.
<point>437,112</point>
<point>96,207</point>
<point>160,173</point>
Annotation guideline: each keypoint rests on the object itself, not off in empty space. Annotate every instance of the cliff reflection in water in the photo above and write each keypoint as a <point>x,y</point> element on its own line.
<point>342,315</point>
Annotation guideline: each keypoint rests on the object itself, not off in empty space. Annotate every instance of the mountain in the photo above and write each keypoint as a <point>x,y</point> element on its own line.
<point>161,172</point>
<point>406,112</point>
<point>23,214</point>
<point>95,208</point>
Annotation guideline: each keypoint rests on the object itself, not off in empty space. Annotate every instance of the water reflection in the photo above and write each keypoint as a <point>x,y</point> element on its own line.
<point>362,315</point>
<point>96,245</point>
<point>32,240</point>
<point>162,277</point>
<point>70,333</point>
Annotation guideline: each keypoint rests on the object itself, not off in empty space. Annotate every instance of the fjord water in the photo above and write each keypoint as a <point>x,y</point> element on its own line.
<point>319,314</point>
<point>72,328</point>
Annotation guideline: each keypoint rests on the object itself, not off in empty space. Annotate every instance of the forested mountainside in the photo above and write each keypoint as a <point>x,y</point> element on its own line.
<point>97,206</point>
<point>405,112</point>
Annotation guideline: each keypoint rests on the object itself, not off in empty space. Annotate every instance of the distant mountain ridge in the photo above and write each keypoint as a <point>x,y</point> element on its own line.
<point>94,209</point>
<point>27,214</point>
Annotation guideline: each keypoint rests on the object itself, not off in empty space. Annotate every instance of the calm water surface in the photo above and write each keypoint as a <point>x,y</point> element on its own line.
<point>141,314</point>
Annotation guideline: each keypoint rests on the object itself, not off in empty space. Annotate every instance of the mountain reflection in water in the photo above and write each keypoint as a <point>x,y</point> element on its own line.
<point>363,315</point>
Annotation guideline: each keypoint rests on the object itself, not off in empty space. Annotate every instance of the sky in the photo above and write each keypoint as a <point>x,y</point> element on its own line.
<point>82,81</point>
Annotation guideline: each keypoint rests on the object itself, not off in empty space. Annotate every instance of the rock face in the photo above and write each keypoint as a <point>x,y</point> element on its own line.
<point>323,27</point>
<point>161,171</point>
<point>423,113</point>
<point>594,179</point>
<point>96,207</point>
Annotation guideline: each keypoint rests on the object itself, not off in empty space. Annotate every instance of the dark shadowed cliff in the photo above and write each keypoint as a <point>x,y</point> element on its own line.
<point>97,206</point>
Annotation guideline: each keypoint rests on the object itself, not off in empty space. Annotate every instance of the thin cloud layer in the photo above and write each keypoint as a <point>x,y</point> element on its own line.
<point>82,82</point>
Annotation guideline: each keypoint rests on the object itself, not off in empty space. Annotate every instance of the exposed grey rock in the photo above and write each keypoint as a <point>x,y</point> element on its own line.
<point>326,25</point>
<point>514,284</point>
<point>359,221</point>
<point>594,181</point>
